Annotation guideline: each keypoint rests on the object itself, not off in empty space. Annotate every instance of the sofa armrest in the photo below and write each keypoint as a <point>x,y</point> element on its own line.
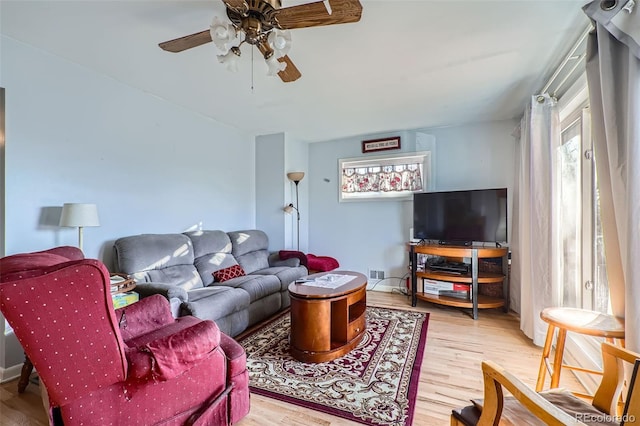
<point>276,260</point>
<point>169,291</point>
<point>495,378</point>
<point>292,263</point>
<point>170,356</point>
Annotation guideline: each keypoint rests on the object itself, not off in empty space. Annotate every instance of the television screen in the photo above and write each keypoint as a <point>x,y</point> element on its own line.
<point>461,217</point>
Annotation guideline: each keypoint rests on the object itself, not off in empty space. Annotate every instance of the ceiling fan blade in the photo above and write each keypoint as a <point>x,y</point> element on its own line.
<point>290,73</point>
<point>316,14</point>
<point>186,42</point>
<point>239,6</point>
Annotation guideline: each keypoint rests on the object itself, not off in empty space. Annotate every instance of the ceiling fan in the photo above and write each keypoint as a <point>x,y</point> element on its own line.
<point>265,24</point>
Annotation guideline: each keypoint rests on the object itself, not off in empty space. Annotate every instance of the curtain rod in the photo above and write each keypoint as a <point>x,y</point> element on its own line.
<point>564,62</point>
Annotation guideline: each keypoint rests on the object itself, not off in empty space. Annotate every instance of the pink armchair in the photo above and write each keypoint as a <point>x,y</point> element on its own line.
<point>136,366</point>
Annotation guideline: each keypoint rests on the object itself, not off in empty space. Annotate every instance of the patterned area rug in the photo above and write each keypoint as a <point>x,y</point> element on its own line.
<point>375,384</point>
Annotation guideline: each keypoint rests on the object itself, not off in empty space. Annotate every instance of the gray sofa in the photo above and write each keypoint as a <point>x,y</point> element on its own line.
<point>181,267</point>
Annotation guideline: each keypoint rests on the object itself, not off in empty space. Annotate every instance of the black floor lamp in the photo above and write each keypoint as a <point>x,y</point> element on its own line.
<point>295,177</point>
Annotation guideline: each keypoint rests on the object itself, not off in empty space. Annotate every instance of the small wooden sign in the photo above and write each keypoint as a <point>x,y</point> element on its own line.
<point>383,144</point>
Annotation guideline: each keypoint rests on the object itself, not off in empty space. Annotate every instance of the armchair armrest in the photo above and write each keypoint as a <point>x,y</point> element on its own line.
<point>167,290</point>
<point>144,316</point>
<point>495,378</point>
<point>170,356</point>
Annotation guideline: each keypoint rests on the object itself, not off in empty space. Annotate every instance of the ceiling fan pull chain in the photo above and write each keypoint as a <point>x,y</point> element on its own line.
<point>252,70</point>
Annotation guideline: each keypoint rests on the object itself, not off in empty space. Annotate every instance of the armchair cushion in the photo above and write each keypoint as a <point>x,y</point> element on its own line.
<point>171,355</point>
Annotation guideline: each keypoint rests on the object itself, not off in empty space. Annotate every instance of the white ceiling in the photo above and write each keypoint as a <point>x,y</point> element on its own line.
<point>406,64</point>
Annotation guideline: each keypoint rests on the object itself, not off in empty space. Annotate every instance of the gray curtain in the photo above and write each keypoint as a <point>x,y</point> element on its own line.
<point>613,74</point>
<point>532,249</point>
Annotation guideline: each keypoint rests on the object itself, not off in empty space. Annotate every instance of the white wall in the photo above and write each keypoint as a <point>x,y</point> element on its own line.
<point>372,234</point>
<point>276,155</point>
<point>76,136</point>
<point>152,167</point>
<point>270,193</point>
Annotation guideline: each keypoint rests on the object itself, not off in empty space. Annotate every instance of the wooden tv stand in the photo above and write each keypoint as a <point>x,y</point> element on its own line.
<point>474,279</point>
<point>327,323</point>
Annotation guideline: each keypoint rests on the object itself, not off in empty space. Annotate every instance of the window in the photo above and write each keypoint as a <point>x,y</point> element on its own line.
<point>581,270</point>
<point>385,177</point>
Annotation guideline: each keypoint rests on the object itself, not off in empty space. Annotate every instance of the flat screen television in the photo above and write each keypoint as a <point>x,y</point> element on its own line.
<point>461,217</point>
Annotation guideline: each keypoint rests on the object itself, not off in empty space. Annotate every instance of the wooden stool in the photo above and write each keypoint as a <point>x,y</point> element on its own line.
<point>579,321</point>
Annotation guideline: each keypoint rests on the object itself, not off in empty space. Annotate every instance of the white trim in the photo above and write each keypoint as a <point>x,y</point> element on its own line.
<point>574,97</point>
<point>7,374</point>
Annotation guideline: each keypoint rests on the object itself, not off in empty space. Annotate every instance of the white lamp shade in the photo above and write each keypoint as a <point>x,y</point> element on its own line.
<point>275,66</point>
<point>79,214</point>
<point>222,34</point>
<point>280,42</point>
<point>231,59</point>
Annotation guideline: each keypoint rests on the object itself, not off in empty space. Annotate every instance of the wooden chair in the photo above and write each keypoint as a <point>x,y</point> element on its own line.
<point>556,406</point>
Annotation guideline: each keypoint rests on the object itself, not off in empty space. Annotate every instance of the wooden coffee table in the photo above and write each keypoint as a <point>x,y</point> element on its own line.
<point>327,323</point>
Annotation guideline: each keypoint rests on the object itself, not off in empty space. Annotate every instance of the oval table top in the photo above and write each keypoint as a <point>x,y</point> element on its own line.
<point>304,290</point>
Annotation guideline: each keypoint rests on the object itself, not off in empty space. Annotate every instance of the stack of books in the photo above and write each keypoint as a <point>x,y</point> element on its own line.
<point>120,300</point>
<point>120,297</point>
<point>446,288</point>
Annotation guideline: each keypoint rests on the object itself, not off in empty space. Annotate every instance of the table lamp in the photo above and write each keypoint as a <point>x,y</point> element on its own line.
<point>79,215</point>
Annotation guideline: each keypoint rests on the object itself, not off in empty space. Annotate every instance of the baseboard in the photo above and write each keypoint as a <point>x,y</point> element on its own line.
<point>7,374</point>
<point>383,288</point>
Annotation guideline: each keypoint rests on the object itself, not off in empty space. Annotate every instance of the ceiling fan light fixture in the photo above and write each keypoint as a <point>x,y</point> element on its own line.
<point>231,59</point>
<point>275,66</point>
<point>222,34</point>
<point>280,42</point>
<point>265,24</point>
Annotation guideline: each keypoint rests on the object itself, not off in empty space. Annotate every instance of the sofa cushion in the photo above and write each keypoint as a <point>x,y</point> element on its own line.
<point>212,250</point>
<point>286,275</point>
<point>257,286</point>
<point>250,248</point>
<point>226,274</point>
<point>165,258</point>
<point>215,302</point>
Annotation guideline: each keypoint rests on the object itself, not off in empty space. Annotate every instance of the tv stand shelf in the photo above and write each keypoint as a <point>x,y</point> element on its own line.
<point>474,279</point>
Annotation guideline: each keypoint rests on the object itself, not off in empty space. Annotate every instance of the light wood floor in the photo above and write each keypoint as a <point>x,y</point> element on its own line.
<point>449,377</point>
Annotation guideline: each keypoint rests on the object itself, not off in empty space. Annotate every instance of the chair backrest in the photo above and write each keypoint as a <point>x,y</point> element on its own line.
<point>632,406</point>
<point>607,395</point>
<point>65,322</point>
<point>159,258</point>
<point>24,265</point>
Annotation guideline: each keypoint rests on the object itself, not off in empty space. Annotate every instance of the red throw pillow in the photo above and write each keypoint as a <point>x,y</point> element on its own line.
<point>225,274</point>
